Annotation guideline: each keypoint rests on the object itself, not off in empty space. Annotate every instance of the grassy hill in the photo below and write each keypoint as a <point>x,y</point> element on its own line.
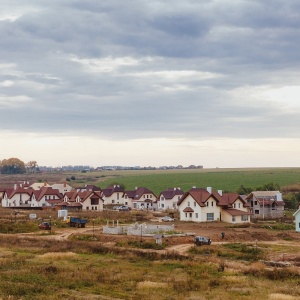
<point>158,180</point>
<point>224,179</point>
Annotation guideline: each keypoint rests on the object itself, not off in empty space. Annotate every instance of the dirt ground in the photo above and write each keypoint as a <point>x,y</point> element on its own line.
<point>251,234</point>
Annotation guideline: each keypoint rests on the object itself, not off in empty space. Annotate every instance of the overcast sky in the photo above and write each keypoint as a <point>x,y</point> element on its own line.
<point>138,82</point>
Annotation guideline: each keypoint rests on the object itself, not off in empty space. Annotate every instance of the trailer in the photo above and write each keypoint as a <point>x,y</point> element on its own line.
<point>76,222</point>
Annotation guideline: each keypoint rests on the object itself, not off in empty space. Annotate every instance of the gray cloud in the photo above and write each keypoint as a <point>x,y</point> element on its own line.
<point>139,69</point>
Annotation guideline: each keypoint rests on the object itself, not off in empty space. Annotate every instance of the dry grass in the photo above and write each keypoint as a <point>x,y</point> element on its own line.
<point>151,285</point>
<point>278,296</point>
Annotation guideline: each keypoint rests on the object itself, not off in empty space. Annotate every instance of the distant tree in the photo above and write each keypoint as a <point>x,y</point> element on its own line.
<point>269,187</point>
<point>244,190</point>
<point>68,179</point>
<point>12,166</point>
<point>31,166</point>
<point>73,177</point>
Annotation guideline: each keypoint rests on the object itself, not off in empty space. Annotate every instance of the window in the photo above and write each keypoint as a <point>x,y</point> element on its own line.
<point>87,208</point>
<point>126,203</point>
<point>144,196</point>
<point>212,203</point>
<point>239,205</point>
<point>256,212</point>
<point>233,219</point>
<point>207,204</point>
<point>234,205</point>
<point>195,203</point>
<point>189,203</point>
<point>95,207</point>
<point>210,216</point>
<point>162,198</point>
<point>94,201</point>
<point>162,205</point>
<point>186,215</point>
<point>191,214</point>
<point>117,196</point>
<point>245,218</point>
<point>150,196</point>
<point>255,202</point>
<point>112,201</point>
<point>196,215</point>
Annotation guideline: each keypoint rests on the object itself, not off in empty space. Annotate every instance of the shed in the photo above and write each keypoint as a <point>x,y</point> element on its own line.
<point>158,238</point>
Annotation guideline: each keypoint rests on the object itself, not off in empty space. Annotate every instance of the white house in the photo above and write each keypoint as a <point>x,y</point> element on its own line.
<point>62,187</point>
<point>17,197</point>
<point>297,219</point>
<point>169,198</point>
<point>113,195</point>
<point>202,205</point>
<point>39,185</point>
<point>20,197</point>
<point>82,200</point>
<point>46,196</point>
<point>140,198</point>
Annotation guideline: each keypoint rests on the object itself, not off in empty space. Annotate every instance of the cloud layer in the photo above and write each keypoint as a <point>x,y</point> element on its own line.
<point>122,70</point>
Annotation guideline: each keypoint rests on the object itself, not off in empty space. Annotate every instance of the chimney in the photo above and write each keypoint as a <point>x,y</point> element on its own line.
<point>65,184</point>
<point>220,192</point>
<point>45,183</point>
<point>194,187</point>
<point>136,188</point>
<point>15,186</point>
<point>209,189</point>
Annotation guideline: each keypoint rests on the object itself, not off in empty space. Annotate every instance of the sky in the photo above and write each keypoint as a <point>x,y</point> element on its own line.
<point>150,83</point>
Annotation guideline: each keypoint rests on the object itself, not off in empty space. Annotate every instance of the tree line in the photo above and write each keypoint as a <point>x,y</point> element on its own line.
<point>14,165</point>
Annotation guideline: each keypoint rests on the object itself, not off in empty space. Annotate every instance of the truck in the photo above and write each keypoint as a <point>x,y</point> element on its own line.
<point>76,222</point>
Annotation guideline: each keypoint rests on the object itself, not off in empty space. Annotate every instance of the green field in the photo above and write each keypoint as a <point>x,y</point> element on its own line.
<point>218,179</point>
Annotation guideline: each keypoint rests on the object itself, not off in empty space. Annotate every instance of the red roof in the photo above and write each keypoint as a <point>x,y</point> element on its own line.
<point>138,193</point>
<point>112,189</point>
<point>188,209</point>
<point>236,212</point>
<point>170,193</point>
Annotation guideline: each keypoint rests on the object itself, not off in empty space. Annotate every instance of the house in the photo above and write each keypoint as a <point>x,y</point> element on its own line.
<point>62,187</point>
<point>89,187</point>
<point>139,198</point>
<point>39,185</point>
<point>82,200</point>
<point>266,204</point>
<point>113,195</point>
<point>297,219</point>
<point>46,196</point>
<point>169,198</point>
<point>202,205</point>
<point>17,197</point>
<point>21,197</point>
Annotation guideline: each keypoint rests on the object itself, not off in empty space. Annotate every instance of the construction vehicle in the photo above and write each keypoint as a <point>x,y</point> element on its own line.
<point>76,222</point>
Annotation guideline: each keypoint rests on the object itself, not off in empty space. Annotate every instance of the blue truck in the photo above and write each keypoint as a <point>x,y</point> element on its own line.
<point>76,222</point>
